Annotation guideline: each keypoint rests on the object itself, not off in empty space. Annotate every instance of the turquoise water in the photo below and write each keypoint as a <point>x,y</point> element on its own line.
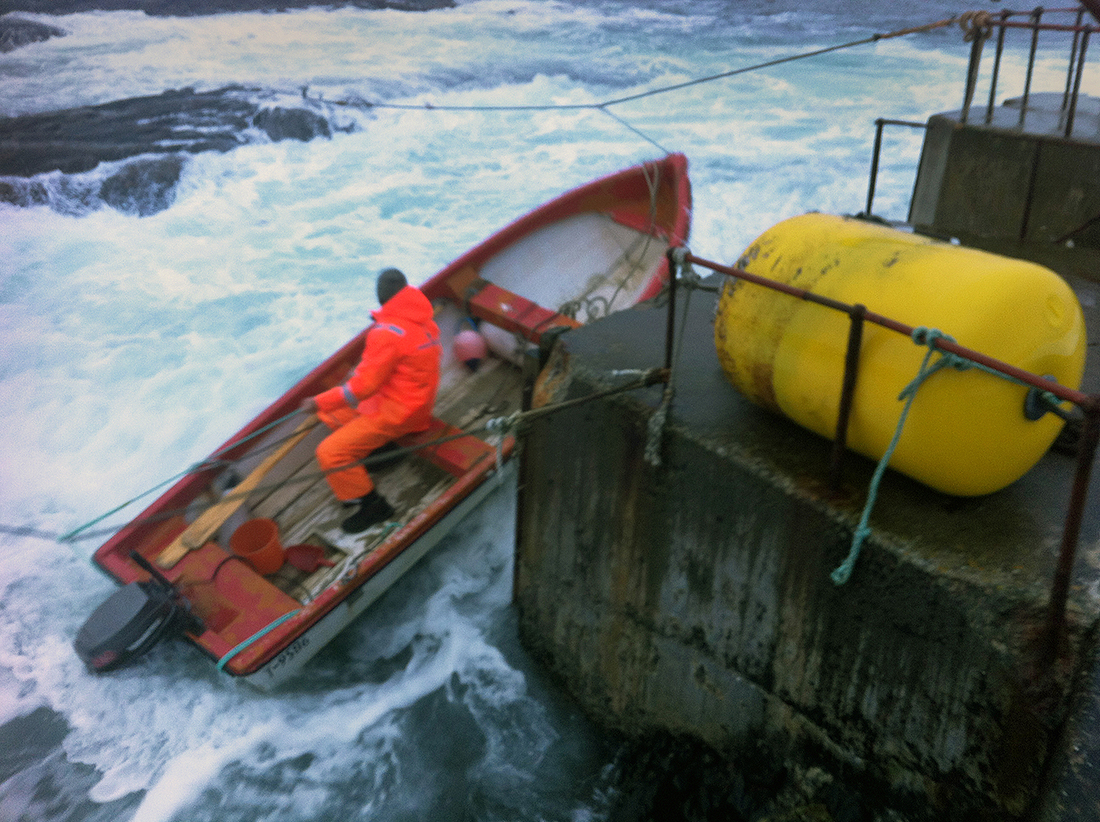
<point>133,346</point>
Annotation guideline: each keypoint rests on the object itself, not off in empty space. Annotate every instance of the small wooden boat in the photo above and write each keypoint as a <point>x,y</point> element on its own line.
<point>594,250</point>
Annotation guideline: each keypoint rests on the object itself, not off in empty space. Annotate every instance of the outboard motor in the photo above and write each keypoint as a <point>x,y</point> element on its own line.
<point>132,620</point>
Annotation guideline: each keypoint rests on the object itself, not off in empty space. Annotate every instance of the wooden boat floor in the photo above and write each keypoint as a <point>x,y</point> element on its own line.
<point>302,505</point>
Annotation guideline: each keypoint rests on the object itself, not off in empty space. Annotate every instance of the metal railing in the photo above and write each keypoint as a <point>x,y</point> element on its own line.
<point>1089,405</point>
<point>880,123</point>
<point>979,28</point>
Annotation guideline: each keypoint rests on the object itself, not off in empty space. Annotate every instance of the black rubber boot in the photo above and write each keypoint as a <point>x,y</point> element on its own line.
<point>384,456</point>
<point>373,509</point>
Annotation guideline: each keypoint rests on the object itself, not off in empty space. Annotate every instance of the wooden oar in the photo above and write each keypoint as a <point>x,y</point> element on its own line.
<point>202,529</point>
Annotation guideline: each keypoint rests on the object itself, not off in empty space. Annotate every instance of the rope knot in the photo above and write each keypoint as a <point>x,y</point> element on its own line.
<point>921,336</point>
<point>929,337</point>
<point>503,424</point>
<point>976,25</point>
<point>655,429</point>
<point>688,275</point>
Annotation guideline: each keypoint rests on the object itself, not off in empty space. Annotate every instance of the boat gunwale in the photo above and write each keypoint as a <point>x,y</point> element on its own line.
<point>152,528</point>
<point>267,647</point>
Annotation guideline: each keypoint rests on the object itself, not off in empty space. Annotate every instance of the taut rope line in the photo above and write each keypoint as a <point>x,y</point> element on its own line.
<point>214,461</point>
<point>874,38</point>
<point>606,104</point>
<point>502,425</point>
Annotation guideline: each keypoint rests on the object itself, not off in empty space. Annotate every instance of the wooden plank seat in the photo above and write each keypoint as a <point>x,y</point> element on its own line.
<point>455,456</point>
<point>487,301</point>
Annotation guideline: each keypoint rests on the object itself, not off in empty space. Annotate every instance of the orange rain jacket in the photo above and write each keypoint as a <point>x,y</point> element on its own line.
<point>397,378</point>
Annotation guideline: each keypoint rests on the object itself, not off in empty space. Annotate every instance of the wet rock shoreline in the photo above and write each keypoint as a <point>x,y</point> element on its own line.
<point>16,32</point>
<point>153,136</point>
<point>180,120</point>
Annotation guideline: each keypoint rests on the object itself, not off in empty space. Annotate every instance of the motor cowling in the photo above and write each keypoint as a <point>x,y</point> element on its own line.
<point>130,622</point>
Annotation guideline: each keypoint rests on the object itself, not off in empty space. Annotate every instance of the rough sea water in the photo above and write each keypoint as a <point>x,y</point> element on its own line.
<point>151,306</point>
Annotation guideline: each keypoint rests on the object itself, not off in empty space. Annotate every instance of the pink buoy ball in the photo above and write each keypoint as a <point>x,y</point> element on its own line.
<point>470,348</point>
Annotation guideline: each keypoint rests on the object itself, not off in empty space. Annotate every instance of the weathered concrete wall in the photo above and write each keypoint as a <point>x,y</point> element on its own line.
<point>1004,181</point>
<point>696,598</point>
<point>1072,792</point>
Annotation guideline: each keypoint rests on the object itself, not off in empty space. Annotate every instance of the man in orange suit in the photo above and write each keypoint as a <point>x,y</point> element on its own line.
<point>390,393</point>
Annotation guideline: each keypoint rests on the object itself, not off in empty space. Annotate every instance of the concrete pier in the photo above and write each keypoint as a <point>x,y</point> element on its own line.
<point>1016,177</point>
<point>694,597</point>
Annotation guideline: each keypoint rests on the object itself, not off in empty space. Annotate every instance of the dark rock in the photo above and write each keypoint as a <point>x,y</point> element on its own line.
<point>77,140</point>
<point>153,133</point>
<point>195,8</point>
<point>27,739</point>
<point>291,124</point>
<point>23,193</point>
<point>668,778</point>
<point>75,196</point>
<point>15,33</point>
<point>144,186</point>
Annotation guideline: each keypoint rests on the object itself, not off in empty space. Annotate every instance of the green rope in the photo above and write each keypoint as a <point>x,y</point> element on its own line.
<point>212,462</point>
<point>260,633</point>
<point>497,424</point>
<point>71,535</point>
<point>921,336</point>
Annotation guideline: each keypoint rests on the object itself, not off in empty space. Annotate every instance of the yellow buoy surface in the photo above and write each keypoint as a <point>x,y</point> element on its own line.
<point>966,432</point>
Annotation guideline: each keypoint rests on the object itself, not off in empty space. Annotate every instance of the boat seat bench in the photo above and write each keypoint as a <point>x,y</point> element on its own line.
<point>455,456</point>
<point>487,301</point>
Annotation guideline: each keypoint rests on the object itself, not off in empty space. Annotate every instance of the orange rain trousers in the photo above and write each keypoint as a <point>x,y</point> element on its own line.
<point>353,438</point>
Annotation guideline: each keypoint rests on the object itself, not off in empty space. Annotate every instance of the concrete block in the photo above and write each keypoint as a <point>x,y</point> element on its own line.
<point>1015,178</point>
<point>1066,197</point>
<point>695,596</point>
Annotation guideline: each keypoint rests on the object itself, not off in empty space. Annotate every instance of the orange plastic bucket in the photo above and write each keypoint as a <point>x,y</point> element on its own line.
<point>257,542</point>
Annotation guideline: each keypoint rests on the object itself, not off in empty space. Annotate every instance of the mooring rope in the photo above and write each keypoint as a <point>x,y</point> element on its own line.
<point>258,635</point>
<point>778,61</point>
<point>927,337</point>
<point>213,461</point>
<point>603,107</point>
<point>655,428</point>
<point>503,425</point>
<point>921,336</point>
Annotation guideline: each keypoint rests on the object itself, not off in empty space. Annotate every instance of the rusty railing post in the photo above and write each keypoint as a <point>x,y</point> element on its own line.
<point>996,68</point>
<point>1036,17</point>
<point>972,75</point>
<point>847,394</point>
<point>670,325</point>
<point>879,123</point>
<point>1072,112</point>
<point>1073,57</point>
<point>1059,590</point>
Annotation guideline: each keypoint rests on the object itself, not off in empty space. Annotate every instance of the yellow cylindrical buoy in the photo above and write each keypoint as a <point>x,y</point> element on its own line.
<point>966,432</point>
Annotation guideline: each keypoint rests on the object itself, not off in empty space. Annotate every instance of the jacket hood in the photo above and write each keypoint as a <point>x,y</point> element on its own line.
<point>408,304</point>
